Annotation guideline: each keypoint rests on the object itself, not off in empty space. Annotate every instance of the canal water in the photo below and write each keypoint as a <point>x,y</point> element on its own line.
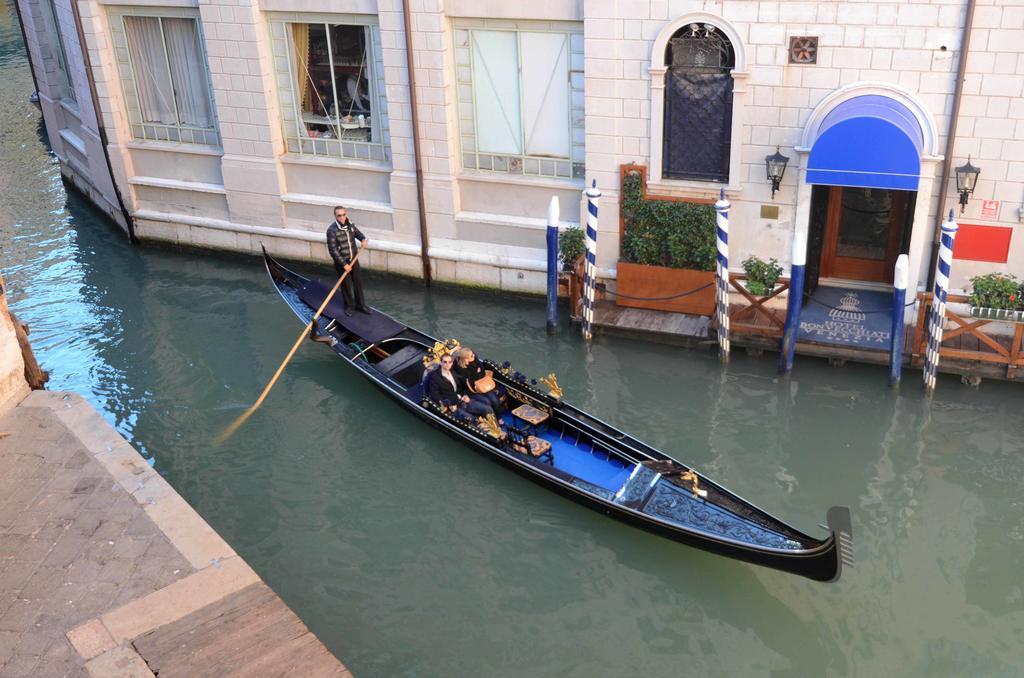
<point>411,555</point>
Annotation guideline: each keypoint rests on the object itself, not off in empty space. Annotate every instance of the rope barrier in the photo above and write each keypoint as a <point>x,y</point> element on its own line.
<point>674,296</point>
<point>808,297</point>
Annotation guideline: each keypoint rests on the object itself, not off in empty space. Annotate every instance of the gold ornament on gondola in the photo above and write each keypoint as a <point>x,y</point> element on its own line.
<point>691,477</point>
<point>490,426</point>
<point>554,390</point>
<point>440,349</point>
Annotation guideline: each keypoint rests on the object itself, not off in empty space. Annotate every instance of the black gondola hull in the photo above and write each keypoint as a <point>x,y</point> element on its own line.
<point>822,562</point>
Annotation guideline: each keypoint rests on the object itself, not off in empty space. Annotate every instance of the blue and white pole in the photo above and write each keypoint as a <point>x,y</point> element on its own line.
<point>722,277</point>
<point>590,261</point>
<point>899,303</point>
<point>794,303</point>
<point>937,317</point>
<point>552,239</point>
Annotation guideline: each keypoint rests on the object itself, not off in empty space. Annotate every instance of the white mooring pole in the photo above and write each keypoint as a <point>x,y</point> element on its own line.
<point>722,276</point>
<point>590,262</point>
<point>937,317</point>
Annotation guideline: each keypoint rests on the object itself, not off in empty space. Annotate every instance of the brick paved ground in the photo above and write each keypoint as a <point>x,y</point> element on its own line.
<point>101,559</point>
<point>73,544</point>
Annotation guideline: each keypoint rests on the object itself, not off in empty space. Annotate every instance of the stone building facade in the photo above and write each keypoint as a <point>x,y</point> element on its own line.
<point>64,96</point>
<point>233,123</point>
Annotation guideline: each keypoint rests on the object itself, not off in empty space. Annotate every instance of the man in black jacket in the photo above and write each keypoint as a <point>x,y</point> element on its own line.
<point>444,388</point>
<point>342,242</point>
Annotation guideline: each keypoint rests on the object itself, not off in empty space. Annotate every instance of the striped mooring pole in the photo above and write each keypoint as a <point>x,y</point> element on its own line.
<point>899,303</point>
<point>722,276</point>
<point>552,242</point>
<point>590,261</point>
<point>794,302</point>
<point>938,313</point>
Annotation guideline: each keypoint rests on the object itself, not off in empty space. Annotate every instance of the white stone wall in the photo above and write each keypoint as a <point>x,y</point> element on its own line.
<point>912,45</point>
<point>70,121</point>
<point>991,128</point>
<point>486,228</point>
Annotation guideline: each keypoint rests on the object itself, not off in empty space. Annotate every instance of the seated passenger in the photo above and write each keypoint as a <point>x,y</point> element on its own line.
<point>479,382</point>
<point>444,388</point>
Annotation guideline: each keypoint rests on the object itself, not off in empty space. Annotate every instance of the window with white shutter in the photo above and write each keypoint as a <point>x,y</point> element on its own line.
<point>520,95</point>
<point>57,61</point>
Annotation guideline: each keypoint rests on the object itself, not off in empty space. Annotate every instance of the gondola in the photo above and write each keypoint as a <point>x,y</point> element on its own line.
<point>568,450</point>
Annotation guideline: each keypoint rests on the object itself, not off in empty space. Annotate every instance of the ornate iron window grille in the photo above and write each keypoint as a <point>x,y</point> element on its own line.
<point>698,105</point>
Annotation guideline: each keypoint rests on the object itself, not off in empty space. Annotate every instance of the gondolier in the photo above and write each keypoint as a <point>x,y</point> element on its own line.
<point>343,241</point>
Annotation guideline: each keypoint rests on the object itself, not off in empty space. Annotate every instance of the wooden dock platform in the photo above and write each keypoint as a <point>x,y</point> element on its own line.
<point>964,351</point>
<point>678,329</point>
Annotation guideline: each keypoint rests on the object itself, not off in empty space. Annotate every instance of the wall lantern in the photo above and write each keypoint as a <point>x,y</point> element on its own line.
<point>966,180</point>
<point>775,164</point>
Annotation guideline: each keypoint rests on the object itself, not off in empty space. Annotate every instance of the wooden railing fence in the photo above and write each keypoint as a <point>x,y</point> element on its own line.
<point>990,348</point>
<point>742,319</point>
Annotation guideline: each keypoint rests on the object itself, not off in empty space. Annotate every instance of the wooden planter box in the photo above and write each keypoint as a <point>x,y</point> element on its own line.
<point>638,280</point>
<point>1004,314</point>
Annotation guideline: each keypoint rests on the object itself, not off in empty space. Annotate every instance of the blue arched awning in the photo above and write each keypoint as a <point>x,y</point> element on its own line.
<point>869,141</point>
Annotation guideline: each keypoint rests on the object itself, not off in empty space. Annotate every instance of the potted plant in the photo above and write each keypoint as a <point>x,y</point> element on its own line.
<point>997,296</point>
<point>668,248</point>
<point>762,276</point>
<point>570,247</point>
<point>570,252</point>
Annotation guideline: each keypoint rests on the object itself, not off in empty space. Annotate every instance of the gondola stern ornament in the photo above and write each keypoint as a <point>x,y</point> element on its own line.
<point>491,426</point>
<point>691,477</point>
<point>554,390</point>
<point>439,350</point>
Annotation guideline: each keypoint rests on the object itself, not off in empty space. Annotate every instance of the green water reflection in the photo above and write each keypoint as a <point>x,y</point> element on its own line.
<point>410,555</point>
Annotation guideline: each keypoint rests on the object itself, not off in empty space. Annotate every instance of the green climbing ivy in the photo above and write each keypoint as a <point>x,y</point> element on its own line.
<point>666,233</point>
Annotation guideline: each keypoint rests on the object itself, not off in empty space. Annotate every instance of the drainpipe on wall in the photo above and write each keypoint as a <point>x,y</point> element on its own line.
<point>100,128</point>
<point>947,162</point>
<point>28,52</point>
<point>424,238</point>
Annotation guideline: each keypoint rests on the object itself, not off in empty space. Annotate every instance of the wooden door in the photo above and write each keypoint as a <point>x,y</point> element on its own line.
<point>863,233</point>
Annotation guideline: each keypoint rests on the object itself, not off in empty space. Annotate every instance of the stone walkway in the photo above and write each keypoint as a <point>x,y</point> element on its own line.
<point>101,562</point>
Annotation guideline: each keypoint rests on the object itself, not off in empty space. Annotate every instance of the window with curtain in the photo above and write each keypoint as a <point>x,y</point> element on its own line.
<point>698,105</point>
<point>335,104</point>
<point>169,98</point>
<point>58,74</point>
<point>521,101</point>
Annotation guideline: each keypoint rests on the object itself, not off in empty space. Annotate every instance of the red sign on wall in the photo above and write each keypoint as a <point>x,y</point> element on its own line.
<point>982,243</point>
<point>989,209</point>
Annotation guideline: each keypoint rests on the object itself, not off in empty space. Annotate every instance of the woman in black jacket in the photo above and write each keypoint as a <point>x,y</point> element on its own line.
<point>478,381</point>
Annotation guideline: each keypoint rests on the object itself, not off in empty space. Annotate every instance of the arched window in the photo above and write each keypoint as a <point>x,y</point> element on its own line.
<point>698,104</point>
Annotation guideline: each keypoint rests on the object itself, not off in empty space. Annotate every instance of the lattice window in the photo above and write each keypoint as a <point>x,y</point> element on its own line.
<point>329,75</point>
<point>520,94</point>
<point>698,105</point>
<point>165,76</point>
<point>65,88</point>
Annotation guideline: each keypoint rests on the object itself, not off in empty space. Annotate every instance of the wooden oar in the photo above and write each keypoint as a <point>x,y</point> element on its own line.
<point>230,430</point>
